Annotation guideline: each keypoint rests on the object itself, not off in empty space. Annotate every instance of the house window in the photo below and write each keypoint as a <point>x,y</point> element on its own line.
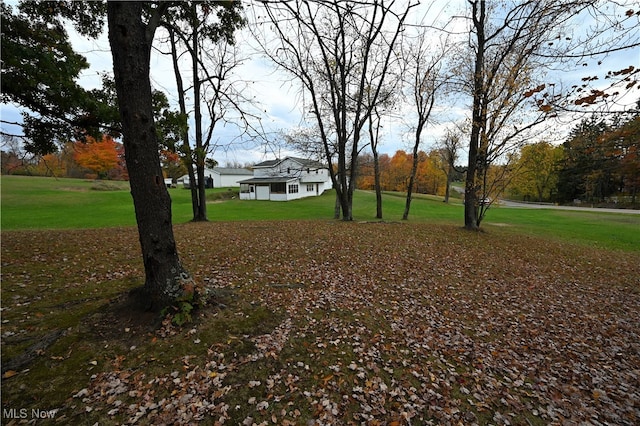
<point>293,189</point>
<point>310,187</point>
<point>278,188</point>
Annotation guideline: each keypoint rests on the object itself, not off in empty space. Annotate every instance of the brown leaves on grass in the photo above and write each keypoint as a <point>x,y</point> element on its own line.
<point>395,324</point>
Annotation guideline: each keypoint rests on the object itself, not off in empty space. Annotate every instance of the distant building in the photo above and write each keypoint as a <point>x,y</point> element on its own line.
<point>220,177</point>
<point>287,179</point>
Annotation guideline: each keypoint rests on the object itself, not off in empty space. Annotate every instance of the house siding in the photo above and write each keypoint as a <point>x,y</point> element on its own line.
<point>308,177</point>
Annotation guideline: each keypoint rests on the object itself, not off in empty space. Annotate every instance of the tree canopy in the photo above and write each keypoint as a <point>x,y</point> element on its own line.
<point>40,70</point>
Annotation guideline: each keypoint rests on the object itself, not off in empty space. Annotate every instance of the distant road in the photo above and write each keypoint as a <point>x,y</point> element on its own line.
<point>514,204</point>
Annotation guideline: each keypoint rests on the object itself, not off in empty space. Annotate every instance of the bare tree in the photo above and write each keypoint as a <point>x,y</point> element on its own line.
<point>505,41</point>
<point>374,139</point>
<point>449,148</point>
<point>194,29</point>
<point>513,44</point>
<point>424,77</point>
<point>340,53</point>
<point>306,142</point>
<point>383,107</point>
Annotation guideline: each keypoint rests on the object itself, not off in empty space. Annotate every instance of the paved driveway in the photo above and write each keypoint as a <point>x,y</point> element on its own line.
<point>513,204</point>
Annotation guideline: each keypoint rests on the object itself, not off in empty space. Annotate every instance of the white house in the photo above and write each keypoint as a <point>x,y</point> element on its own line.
<point>220,177</point>
<point>287,179</point>
<point>224,177</point>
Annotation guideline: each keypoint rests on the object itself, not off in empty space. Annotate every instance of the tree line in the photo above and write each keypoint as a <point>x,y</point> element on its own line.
<point>599,163</point>
<point>88,159</point>
<point>395,172</point>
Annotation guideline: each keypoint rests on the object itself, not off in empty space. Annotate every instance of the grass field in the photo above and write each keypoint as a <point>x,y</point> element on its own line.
<point>47,203</point>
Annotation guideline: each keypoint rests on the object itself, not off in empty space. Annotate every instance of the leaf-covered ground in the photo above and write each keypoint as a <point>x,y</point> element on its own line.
<point>326,323</point>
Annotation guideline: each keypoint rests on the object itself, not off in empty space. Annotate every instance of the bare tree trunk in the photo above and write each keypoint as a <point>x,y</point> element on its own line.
<point>201,214</point>
<point>470,192</point>
<point>447,190</point>
<point>377,184</point>
<point>414,170</point>
<point>373,138</point>
<point>188,153</point>
<point>336,207</point>
<point>130,41</point>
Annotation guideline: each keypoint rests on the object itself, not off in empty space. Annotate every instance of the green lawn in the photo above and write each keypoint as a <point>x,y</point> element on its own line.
<point>48,203</point>
<point>315,320</point>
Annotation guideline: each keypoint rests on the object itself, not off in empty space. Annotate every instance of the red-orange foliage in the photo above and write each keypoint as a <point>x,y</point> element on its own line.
<point>99,157</point>
<point>172,165</point>
<point>395,172</point>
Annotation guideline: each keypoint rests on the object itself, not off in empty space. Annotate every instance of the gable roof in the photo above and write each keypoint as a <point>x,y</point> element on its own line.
<point>273,179</point>
<point>302,161</point>
<point>268,163</point>
<point>232,171</point>
<point>308,163</point>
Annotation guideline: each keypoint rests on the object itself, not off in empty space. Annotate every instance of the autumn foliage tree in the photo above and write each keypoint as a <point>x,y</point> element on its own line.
<point>396,171</point>
<point>98,156</point>
<point>535,175</point>
<point>172,164</point>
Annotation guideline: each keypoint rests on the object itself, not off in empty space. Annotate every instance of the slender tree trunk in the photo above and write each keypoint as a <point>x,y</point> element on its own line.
<point>447,190</point>
<point>130,41</point>
<point>377,184</point>
<point>188,153</point>
<point>414,170</point>
<point>373,137</point>
<point>201,214</point>
<point>470,193</point>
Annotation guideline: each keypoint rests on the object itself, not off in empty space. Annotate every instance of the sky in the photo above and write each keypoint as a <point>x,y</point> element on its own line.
<point>278,101</point>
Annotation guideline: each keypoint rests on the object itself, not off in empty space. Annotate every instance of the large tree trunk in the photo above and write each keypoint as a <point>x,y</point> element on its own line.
<point>344,191</point>
<point>345,205</point>
<point>130,41</point>
<point>470,191</point>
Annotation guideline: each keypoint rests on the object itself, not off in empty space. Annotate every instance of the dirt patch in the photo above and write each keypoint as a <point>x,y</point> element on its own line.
<point>122,321</point>
<point>73,188</point>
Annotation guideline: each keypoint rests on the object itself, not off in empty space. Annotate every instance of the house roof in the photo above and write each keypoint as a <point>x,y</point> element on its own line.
<point>303,161</point>
<point>268,163</point>
<point>232,171</point>
<point>274,179</point>
<point>308,163</point>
